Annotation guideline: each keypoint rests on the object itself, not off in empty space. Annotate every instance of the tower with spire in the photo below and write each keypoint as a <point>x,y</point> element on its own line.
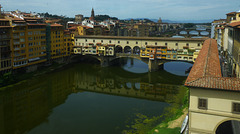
<point>92,15</point>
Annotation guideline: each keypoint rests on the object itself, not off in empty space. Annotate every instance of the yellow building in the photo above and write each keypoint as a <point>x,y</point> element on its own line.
<point>144,52</point>
<point>233,17</point>
<point>36,41</point>
<point>84,30</point>
<point>29,41</point>
<point>68,42</point>
<point>57,47</point>
<point>236,50</point>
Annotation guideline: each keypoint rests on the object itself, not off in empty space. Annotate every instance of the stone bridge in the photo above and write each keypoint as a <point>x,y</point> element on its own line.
<point>195,32</point>
<point>151,50</point>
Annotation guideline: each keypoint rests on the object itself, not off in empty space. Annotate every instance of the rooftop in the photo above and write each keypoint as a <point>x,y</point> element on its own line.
<point>142,38</point>
<point>206,71</point>
<point>233,24</point>
<point>56,25</point>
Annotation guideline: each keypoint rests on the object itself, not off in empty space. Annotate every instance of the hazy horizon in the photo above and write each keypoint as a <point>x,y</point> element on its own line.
<point>174,10</point>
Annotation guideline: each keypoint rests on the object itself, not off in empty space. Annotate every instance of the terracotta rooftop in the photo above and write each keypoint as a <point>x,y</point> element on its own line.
<point>206,71</point>
<point>231,13</point>
<point>37,24</point>
<point>56,25</point>
<point>219,28</point>
<point>235,24</point>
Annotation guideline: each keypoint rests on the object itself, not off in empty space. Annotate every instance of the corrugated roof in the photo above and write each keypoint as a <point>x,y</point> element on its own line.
<point>206,71</point>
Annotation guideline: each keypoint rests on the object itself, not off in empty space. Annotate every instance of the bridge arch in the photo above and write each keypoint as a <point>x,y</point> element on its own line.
<point>127,49</point>
<point>194,32</point>
<point>183,32</point>
<point>226,125</point>
<point>136,50</point>
<point>204,33</point>
<point>118,49</point>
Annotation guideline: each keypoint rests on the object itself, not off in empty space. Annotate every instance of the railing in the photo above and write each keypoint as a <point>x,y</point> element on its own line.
<point>4,37</point>
<point>19,59</point>
<point>15,37</point>
<point>18,24</point>
<point>17,42</point>
<point>16,48</point>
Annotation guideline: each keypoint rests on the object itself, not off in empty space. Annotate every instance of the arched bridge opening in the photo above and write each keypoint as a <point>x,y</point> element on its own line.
<point>229,127</point>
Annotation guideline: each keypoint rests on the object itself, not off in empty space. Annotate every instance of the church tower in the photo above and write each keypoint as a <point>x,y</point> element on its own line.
<point>92,15</point>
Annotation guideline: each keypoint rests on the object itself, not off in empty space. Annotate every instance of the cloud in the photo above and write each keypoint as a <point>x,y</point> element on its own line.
<point>167,9</point>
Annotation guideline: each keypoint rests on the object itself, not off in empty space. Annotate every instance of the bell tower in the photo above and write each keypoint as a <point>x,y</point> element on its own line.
<point>92,14</point>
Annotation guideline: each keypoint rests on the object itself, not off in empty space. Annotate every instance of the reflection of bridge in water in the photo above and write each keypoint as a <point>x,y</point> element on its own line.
<point>129,87</point>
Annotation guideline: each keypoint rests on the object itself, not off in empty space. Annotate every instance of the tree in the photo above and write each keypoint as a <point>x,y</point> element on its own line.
<point>188,25</point>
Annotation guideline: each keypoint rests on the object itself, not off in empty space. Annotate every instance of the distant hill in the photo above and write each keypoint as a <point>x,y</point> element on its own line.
<point>177,21</point>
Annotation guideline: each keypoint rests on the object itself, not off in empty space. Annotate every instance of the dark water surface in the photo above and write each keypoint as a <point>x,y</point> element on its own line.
<point>88,99</point>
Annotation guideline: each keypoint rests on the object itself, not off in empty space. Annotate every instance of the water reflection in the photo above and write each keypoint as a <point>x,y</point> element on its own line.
<point>135,65</point>
<point>179,70</point>
<point>67,101</point>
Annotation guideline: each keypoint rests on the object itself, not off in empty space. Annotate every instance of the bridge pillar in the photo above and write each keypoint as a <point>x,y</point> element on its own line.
<point>104,61</point>
<point>152,65</point>
<point>132,61</point>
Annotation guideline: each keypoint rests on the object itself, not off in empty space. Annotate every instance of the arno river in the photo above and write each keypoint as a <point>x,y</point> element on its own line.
<point>87,99</point>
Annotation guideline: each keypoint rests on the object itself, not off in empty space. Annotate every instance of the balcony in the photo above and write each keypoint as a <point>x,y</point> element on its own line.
<point>5,37</point>
<point>16,49</point>
<point>16,42</point>
<point>16,37</point>
<point>14,24</point>
<point>19,59</point>
<point>16,55</point>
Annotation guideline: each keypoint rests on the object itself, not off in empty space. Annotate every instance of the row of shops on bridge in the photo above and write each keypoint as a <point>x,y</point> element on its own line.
<point>150,51</point>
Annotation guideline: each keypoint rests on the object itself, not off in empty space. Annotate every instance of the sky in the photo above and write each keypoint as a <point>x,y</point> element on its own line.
<point>153,9</point>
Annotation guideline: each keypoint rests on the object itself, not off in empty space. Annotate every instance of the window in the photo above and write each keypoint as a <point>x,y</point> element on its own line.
<point>236,108</point>
<point>86,40</point>
<point>127,42</point>
<point>199,44</point>
<point>102,41</point>
<point>22,34</point>
<point>136,42</point>
<point>145,43</point>
<point>187,44</point>
<point>176,44</point>
<point>155,43</point>
<point>93,40</point>
<point>118,42</point>
<point>110,41</point>
<point>165,44</point>
<point>202,103</point>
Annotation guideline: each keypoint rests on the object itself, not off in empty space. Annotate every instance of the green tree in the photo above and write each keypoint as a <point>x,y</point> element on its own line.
<point>188,25</point>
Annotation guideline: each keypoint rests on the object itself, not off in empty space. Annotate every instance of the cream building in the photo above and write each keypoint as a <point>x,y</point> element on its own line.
<point>214,102</point>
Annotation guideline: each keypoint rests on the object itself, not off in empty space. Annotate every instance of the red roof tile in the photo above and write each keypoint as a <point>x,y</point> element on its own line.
<point>219,28</point>
<point>231,13</point>
<point>206,71</point>
<point>235,24</point>
<point>56,25</point>
<point>37,24</point>
<point>224,83</point>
